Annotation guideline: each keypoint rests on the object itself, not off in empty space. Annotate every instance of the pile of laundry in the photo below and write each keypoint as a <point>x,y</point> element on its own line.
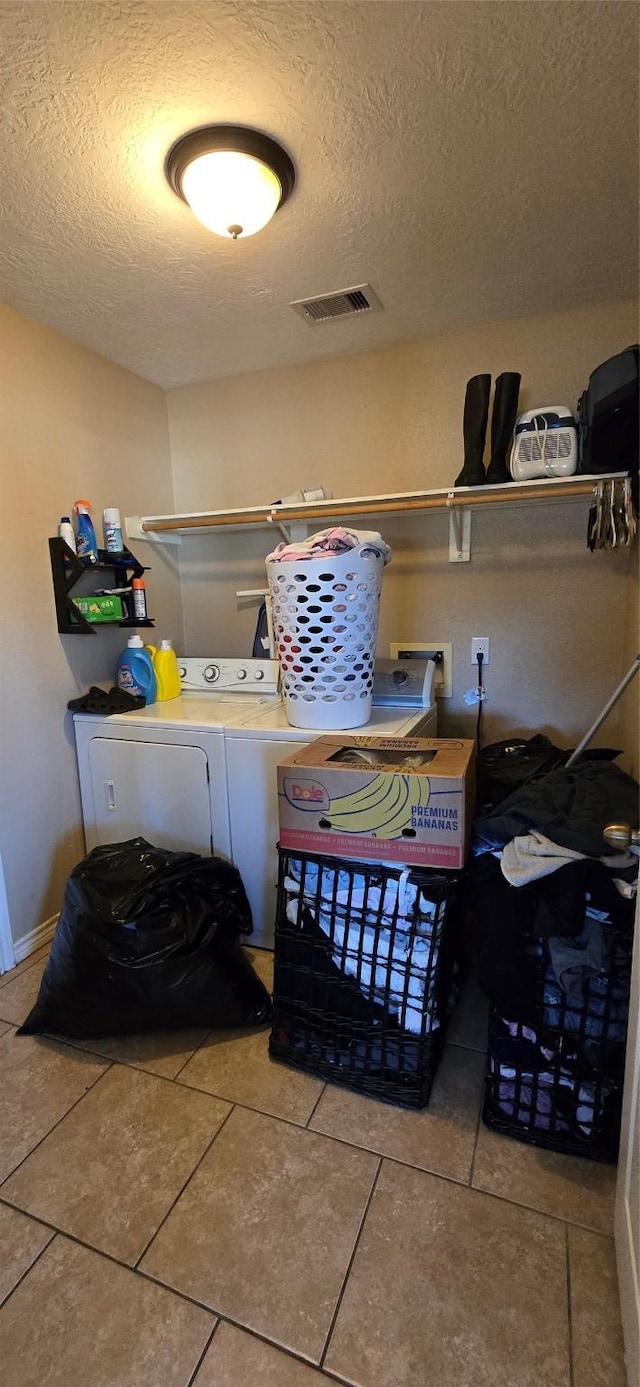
<point>554,917</point>
<point>386,937</point>
<point>334,541</point>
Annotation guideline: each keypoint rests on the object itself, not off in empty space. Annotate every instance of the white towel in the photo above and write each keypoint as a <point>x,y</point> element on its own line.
<point>531,856</point>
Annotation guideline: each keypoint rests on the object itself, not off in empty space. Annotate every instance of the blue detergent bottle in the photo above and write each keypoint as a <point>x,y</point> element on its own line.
<point>134,674</point>
<point>86,543</point>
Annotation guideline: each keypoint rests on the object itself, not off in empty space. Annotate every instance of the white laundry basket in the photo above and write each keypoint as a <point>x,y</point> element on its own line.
<point>325,618</point>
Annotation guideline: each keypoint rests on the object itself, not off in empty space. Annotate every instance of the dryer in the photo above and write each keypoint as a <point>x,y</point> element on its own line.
<point>161,771</point>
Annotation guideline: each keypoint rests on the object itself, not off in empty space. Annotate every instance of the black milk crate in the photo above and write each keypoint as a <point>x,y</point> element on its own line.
<point>558,1084</point>
<point>363,973</point>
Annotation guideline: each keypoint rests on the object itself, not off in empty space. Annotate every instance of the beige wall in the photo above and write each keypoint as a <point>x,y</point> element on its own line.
<point>71,424</point>
<point>392,420</point>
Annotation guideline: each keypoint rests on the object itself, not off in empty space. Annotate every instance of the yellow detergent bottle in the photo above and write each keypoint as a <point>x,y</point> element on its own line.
<point>165,668</point>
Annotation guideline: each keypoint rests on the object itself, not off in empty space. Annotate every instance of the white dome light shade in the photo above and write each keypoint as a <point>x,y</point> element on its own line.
<point>230,193</point>
<point>232,177</point>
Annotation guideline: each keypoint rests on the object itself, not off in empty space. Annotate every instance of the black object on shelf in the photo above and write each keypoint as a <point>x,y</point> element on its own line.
<point>363,984</point>
<point>68,568</point>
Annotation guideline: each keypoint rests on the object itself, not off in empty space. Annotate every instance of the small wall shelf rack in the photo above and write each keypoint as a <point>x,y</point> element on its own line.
<point>67,569</point>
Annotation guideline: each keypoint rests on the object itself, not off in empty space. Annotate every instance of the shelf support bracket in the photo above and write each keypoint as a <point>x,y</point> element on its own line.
<point>292,531</point>
<point>459,530</point>
<point>133,530</point>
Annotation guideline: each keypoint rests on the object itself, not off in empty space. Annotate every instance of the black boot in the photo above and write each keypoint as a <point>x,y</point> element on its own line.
<point>505,409</point>
<point>474,428</point>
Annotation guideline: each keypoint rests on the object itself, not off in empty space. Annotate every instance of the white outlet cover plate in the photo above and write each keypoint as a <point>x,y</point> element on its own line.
<point>421,650</point>
<point>480,643</point>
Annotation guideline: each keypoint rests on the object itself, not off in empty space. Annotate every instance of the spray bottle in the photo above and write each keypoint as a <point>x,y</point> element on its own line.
<point>86,543</point>
<point>66,532</point>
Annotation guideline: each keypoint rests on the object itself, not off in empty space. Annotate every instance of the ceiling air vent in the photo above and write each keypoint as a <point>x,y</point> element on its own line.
<point>341,304</point>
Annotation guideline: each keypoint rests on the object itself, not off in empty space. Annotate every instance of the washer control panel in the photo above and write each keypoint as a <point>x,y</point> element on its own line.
<point>227,676</point>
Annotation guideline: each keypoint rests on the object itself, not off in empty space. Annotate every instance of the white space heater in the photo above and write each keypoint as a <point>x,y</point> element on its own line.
<point>545,444</point>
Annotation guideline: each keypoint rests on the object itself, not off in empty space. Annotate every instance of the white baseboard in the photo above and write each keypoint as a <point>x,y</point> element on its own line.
<point>35,939</point>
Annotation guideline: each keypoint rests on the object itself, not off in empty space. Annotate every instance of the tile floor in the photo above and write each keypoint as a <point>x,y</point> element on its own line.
<point>179,1211</point>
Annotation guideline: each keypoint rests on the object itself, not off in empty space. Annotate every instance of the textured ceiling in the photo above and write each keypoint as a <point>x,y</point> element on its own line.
<point>469,160</point>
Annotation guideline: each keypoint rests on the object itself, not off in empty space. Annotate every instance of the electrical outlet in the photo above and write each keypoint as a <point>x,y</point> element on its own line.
<point>439,651</point>
<point>480,646</point>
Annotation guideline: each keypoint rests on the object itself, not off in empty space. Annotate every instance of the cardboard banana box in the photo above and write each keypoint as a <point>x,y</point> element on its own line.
<point>407,799</point>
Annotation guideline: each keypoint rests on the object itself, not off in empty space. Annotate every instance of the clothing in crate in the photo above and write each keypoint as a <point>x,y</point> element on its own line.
<point>554,923</point>
<point>363,973</point>
<point>571,806</point>
<point>387,939</point>
<point>558,908</point>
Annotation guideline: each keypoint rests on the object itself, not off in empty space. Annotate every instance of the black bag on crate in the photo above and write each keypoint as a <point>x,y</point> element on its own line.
<point>149,940</point>
<point>608,437</point>
<point>505,766</point>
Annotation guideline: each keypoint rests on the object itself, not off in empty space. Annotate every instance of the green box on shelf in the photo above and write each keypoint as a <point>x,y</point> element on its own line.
<point>100,608</point>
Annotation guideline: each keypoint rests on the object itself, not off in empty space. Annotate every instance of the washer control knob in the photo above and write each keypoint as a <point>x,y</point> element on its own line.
<point>259,674</point>
<point>182,672</point>
<point>241,674</point>
<point>399,677</point>
<point>212,674</point>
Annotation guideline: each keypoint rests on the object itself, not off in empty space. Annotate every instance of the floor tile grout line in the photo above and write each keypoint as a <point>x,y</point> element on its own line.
<point>5,1019</point>
<point>203,1355</point>
<point>176,1076</point>
<point>314,1109</point>
<point>347,1274</point>
<point>16,1168</point>
<point>262,1112</point>
<point>385,1156</point>
<point>477,1138</point>
<point>544,1213</point>
<point>262,1338</point>
<point>13,974</point>
<point>569,1306</point>
<point>342,1141</point>
<point>117,1262</point>
<point>81,1043</point>
<point>29,1269</point>
<point>184,1186</point>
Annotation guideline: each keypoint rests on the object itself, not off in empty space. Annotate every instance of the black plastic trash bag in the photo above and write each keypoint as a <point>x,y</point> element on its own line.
<point>149,940</point>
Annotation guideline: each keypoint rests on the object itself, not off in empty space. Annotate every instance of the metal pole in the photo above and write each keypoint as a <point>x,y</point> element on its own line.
<point>631,673</point>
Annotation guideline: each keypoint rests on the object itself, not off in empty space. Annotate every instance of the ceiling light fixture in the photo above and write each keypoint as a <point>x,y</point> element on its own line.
<point>233,178</point>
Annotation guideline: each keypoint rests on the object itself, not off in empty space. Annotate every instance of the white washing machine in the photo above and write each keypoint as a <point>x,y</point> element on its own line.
<point>198,772</point>
<point>253,751</point>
